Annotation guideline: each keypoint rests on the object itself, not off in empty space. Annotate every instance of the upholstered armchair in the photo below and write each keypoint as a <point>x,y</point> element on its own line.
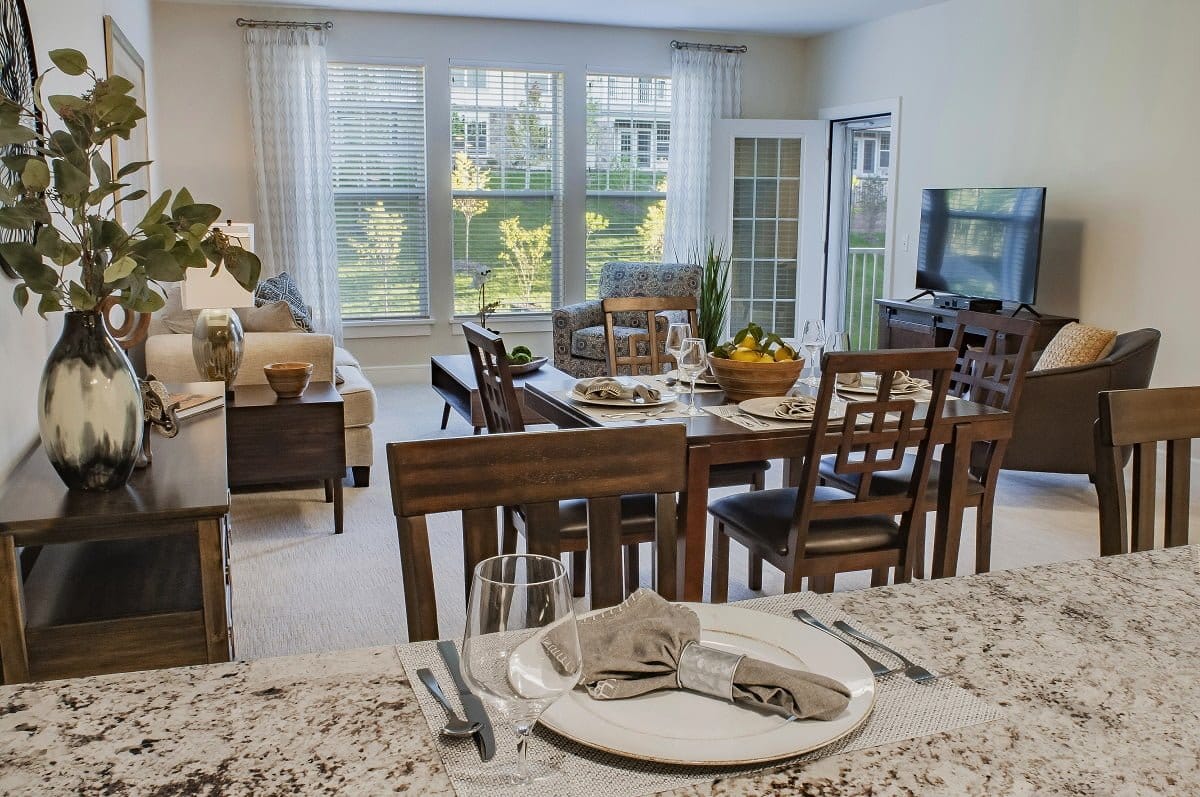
<point>579,343</point>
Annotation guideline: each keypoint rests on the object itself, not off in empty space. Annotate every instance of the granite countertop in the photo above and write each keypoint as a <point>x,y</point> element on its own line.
<point>1097,663</point>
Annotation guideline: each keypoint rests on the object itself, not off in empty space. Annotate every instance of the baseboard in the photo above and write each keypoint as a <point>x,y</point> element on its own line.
<point>397,374</point>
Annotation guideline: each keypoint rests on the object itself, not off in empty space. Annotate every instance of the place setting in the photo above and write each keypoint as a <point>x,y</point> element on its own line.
<point>621,397</point>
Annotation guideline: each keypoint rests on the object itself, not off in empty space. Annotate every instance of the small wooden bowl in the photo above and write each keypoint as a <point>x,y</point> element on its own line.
<point>288,380</point>
<point>742,381</point>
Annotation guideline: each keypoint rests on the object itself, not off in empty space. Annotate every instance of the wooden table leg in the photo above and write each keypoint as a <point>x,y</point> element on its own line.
<point>212,586</point>
<point>337,506</point>
<point>14,655</point>
<point>446,415</point>
<point>328,491</point>
<point>693,524</point>
<point>952,485</point>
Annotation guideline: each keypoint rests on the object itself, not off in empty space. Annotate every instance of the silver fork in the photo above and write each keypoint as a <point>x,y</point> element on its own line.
<point>913,671</point>
<point>878,669</point>
<point>630,413</point>
<point>754,422</point>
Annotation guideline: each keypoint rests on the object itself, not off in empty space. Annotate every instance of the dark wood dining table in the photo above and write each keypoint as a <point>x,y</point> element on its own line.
<point>712,440</point>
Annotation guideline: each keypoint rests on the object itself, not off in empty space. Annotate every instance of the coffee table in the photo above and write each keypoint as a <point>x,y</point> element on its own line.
<point>453,379</point>
<point>272,440</point>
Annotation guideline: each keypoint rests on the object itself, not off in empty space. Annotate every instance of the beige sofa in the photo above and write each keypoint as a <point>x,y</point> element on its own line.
<point>169,358</point>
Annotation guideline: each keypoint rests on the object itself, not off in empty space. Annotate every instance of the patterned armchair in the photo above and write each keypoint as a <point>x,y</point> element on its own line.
<point>579,345</point>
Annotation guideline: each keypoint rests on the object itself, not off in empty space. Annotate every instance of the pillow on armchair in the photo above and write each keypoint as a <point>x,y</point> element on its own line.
<point>1076,344</point>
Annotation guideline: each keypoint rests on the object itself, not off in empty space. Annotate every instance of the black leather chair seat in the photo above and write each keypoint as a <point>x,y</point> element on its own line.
<point>766,516</point>
<point>892,482</point>
<point>637,517</point>
<point>732,474</point>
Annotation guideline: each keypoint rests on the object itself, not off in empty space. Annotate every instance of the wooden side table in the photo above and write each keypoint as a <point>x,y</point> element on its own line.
<point>132,579</point>
<point>279,441</point>
<point>453,378</point>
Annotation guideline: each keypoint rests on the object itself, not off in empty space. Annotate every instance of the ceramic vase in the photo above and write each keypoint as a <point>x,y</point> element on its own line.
<point>90,407</point>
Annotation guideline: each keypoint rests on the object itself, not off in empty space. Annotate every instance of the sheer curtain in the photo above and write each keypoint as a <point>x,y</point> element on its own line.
<point>705,85</point>
<point>289,121</point>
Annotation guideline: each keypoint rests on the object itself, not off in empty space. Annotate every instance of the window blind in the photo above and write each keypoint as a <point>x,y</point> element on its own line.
<point>377,129</point>
<point>628,147</point>
<point>506,187</point>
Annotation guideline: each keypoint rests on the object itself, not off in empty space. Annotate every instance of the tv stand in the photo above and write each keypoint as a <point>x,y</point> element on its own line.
<point>1023,306</point>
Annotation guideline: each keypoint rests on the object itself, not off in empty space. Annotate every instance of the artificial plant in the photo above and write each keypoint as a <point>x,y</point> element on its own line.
<point>714,293</point>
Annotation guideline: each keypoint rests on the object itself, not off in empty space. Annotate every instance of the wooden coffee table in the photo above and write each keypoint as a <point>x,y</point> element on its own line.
<point>279,441</point>
<point>453,379</point>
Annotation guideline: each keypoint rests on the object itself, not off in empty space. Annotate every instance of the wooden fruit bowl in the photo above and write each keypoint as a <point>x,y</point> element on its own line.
<point>288,380</point>
<point>742,381</point>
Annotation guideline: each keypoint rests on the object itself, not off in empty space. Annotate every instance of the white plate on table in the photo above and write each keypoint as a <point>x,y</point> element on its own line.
<point>765,408</point>
<point>679,727</point>
<point>665,397</point>
<point>706,379</point>
<point>871,389</point>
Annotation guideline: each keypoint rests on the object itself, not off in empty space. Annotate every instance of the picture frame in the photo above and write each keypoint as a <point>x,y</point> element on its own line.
<point>122,58</point>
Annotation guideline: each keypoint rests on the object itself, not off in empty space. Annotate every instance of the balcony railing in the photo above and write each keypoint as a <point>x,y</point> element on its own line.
<point>863,285</point>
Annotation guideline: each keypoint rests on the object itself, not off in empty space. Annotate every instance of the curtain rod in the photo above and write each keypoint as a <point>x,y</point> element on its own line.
<point>721,48</point>
<point>242,22</point>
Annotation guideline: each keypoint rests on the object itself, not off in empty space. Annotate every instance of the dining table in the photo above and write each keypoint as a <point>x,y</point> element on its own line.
<point>714,440</point>
<point>1091,666</point>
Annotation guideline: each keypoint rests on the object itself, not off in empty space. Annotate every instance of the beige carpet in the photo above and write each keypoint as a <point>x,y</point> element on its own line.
<point>298,588</point>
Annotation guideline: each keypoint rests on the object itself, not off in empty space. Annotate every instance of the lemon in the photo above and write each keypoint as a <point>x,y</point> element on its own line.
<point>748,342</point>
<point>784,353</point>
<point>745,355</point>
<point>766,358</point>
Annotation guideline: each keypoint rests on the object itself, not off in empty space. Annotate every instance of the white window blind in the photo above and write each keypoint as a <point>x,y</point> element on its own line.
<point>506,187</point>
<point>628,146</point>
<point>377,126</point>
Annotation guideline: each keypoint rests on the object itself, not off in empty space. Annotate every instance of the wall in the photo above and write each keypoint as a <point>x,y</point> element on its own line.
<point>26,340</point>
<point>1092,98</point>
<point>208,148</point>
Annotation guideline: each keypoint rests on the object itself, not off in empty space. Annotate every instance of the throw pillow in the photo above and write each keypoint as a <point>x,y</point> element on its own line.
<point>273,317</point>
<point>282,287</point>
<point>1076,344</point>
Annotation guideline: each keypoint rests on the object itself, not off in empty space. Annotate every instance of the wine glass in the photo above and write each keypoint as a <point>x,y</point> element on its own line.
<point>676,335</point>
<point>837,341</point>
<point>516,603</point>
<point>693,359</point>
<point>812,339</point>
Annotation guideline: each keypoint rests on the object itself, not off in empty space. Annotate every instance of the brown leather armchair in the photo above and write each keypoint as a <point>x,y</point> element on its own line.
<point>1053,427</point>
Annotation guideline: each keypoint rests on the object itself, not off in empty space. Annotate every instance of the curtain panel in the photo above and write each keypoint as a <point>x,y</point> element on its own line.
<point>705,86</point>
<point>289,116</point>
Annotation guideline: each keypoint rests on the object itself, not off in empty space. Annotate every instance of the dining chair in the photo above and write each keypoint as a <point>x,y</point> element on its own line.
<point>502,411</point>
<point>817,531</point>
<point>1141,419</point>
<point>539,471</point>
<point>991,374</point>
<point>643,345</point>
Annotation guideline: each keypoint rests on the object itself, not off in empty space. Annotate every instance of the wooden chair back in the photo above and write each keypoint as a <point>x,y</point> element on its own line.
<point>873,438</point>
<point>476,475</point>
<point>1142,419</point>
<point>651,306</point>
<point>133,325</point>
<point>992,374</point>
<point>489,359</point>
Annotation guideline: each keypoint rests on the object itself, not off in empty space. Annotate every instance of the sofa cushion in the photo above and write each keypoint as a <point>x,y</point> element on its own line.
<point>282,287</point>
<point>1076,344</point>
<point>343,357</point>
<point>271,317</point>
<point>358,397</point>
<point>590,342</point>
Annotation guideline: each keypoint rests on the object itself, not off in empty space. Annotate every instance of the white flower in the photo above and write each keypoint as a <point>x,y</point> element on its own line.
<point>481,277</point>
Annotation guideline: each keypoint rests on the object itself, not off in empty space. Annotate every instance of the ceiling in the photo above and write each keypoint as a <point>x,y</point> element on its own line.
<point>780,17</point>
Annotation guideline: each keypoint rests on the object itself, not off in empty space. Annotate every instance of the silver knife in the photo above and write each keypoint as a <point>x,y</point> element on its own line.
<point>485,739</point>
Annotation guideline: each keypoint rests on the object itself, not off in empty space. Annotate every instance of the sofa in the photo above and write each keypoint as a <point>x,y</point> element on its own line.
<point>580,347</point>
<point>169,358</point>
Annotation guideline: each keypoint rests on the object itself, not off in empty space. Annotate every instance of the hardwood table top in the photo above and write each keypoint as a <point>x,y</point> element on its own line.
<point>263,396</point>
<point>458,366</point>
<point>186,481</point>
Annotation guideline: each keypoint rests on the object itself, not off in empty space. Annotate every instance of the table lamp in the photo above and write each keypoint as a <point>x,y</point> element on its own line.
<point>217,340</point>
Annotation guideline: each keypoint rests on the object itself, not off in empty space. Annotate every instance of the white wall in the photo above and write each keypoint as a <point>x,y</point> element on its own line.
<point>1095,99</point>
<point>203,130</point>
<point>26,340</point>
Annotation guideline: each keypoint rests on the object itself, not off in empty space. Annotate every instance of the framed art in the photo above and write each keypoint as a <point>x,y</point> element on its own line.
<point>124,60</point>
<point>18,71</point>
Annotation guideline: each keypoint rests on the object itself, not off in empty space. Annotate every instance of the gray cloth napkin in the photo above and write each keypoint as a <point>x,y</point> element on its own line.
<point>901,382</point>
<point>606,387</point>
<point>634,648</point>
<point>797,408</point>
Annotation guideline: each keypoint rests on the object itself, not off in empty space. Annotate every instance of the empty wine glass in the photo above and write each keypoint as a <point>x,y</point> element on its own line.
<point>676,335</point>
<point>813,339</point>
<point>518,602</point>
<point>837,341</point>
<point>693,359</point>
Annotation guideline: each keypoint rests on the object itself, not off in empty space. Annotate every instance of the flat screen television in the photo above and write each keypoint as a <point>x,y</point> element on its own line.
<point>984,243</point>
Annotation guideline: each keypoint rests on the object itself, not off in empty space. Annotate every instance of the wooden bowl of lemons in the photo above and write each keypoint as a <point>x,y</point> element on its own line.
<point>755,364</point>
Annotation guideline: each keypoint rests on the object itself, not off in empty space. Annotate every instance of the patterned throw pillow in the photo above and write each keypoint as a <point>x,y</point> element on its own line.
<point>282,287</point>
<point>1076,344</point>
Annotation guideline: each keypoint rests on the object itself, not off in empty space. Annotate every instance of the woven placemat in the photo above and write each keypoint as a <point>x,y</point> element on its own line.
<point>903,710</point>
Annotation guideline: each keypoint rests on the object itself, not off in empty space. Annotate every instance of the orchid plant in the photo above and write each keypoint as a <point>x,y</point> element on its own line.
<point>479,281</point>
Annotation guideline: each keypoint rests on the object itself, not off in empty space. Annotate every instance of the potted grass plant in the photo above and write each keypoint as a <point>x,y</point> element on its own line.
<point>714,293</point>
<point>69,250</point>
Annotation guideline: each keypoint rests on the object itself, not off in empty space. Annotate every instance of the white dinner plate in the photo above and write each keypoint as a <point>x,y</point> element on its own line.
<point>680,727</point>
<point>665,397</point>
<point>765,408</point>
<point>871,389</point>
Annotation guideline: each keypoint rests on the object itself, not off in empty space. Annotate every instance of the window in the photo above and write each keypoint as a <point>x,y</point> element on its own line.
<point>377,130</point>
<point>868,156</point>
<point>628,146</point>
<point>885,151</point>
<point>506,187</point>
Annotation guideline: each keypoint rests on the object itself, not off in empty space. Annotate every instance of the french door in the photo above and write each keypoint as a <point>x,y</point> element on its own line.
<point>768,182</point>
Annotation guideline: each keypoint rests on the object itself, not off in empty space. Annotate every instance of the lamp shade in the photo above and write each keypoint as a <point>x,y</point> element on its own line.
<point>202,291</point>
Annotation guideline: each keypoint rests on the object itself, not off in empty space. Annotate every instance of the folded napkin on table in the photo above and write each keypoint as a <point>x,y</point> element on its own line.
<point>797,408</point>
<point>647,643</point>
<point>901,382</point>
<point>609,388</point>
